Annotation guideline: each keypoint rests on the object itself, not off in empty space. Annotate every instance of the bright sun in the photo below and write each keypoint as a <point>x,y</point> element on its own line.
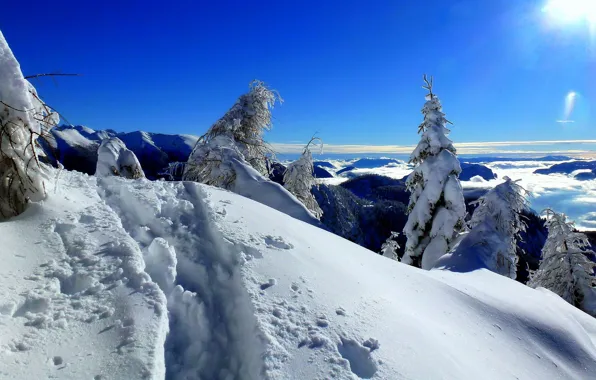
<point>572,11</point>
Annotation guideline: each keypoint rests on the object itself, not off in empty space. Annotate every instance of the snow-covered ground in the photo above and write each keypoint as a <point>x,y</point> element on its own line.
<point>93,276</point>
<point>76,302</point>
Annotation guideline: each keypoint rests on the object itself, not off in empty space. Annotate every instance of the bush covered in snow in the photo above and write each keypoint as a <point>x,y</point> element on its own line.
<point>173,172</point>
<point>565,268</point>
<point>299,180</point>
<point>500,209</point>
<point>437,209</point>
<point>238,134</point>
<point>390,247</point>
<point>495,227</point>
<point>23,117</point>
<point>114,159</point>
<point>210,162</point>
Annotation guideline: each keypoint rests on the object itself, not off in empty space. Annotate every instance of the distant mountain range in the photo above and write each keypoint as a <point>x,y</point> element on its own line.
<point>570,167</point>
<point>76,148</point>
<point>512,159</point>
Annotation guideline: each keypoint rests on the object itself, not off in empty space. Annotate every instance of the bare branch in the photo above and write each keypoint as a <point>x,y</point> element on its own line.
<point>51,75</point>
<point>15,109</point>
<point>428,85</point>
<point>48,108</point>
<point>312,140</point>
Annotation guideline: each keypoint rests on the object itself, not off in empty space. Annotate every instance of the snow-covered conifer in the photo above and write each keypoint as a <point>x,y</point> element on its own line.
<point>299,179</point>
<point>239,133</point>
<point>437,209</point>
<point>565,268</point>
<point>115,159</point>
<point>22,117</point>
<point>390,246</point>
<point>495,227</point>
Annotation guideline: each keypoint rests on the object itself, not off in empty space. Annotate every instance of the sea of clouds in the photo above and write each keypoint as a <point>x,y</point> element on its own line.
<point>561,192</point>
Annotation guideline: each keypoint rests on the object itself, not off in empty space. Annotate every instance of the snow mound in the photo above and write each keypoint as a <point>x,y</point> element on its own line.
<point>251,184</point>
<point>114,159</point>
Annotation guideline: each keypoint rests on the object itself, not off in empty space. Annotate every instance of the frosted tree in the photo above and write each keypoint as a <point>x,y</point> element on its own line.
<point>495,227</point>
<point>115,159</point>
<point>239,133</point>
<point>299,179</point>
<point>174,171</point>
<point>390,246</point>
<point>437,210</point>
<point>565,268</point>
<point>22,117</point>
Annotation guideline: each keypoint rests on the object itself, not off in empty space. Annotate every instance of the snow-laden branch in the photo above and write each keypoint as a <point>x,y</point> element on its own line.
<point>23,117</point>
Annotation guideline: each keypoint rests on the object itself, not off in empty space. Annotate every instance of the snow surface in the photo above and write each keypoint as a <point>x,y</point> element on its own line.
<point>75,301</point>
<point>252,294</point>
<point>251,184</point>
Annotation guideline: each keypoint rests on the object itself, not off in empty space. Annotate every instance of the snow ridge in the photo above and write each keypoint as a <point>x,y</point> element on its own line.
<point>213,329</point>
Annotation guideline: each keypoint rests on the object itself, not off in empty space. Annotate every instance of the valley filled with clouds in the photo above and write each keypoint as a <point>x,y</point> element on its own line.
<point>562,192</point>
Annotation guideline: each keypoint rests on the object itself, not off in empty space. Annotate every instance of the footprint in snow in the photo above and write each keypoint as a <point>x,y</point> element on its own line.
<point>277,242</point>
<point>87,219</point>
<point>358,355</point>
<point>268,284</point>
<point>322,321</point>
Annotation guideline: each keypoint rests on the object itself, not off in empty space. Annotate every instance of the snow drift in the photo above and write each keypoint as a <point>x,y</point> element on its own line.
<point>114,159</point>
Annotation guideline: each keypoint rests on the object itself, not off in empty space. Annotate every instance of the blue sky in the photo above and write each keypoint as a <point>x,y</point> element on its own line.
<point>349,70</point>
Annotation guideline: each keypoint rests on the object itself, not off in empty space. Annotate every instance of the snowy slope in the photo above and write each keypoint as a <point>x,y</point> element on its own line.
<point>75,302</point>
<point>254,294</point>
<point>330,299</point>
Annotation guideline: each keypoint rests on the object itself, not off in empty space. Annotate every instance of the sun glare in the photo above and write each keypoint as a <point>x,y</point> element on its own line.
<point>572,11</point>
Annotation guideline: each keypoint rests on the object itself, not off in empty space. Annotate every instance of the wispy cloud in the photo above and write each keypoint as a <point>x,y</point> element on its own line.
<point>462,148</point>
<point>565,121</point>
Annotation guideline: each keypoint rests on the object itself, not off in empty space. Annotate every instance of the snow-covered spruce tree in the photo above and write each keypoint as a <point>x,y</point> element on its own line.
<point>22,117</point>
<point>390,246</point>
<point>115,159</point>
<point>437,209</point>
<point>565,268</point>
<point>495,227</point>
<point>239,134</point>
<point>299,179</point>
